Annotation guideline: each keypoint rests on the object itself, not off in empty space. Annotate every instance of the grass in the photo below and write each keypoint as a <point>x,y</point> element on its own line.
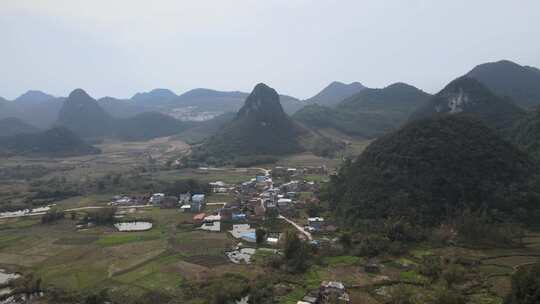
<point>8,240</point>
<point>421,252</point>
<point>312,278</point>
<point>294,296</point>
<point>344,260</point>
<point>125,238</point>
<point>154,275</point>
<point>412,277</point>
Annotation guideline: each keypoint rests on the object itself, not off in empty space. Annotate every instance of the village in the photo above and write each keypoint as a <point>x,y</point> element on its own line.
<point>278,194</point>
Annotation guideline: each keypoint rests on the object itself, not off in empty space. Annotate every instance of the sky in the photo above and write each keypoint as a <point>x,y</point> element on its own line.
<point>120,47</point>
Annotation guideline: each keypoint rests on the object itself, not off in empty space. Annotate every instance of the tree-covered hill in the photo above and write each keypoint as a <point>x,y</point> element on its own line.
<point>335,92</point>
<point>147,125</point>
<point>13,126</point>
<point>84,116</point>
<point>468,95</point>
<point>260,129</point>
<point>55,142</point>
<point>526,133</point>
<point>369,113</point>
<point>433,168</point>
<point>506,78</point>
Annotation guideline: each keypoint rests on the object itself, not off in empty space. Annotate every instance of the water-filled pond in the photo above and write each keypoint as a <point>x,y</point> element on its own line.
<point>133,226</point>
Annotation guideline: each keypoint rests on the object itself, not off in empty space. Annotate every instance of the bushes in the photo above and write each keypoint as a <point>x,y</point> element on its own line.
<point>296,252</point>
<point>260,235</point>
<point>525,286</point>
<point>228,288</point>
<point>373,245</point>
<point>103,216</point>
<point>481,228</point>
<point>431,267</point>
<point>52,216</point>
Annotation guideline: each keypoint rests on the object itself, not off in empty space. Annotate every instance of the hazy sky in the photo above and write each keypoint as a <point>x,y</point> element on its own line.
<point>119,47</point>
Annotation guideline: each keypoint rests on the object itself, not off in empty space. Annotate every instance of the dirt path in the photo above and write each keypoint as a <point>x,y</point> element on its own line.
<point>307,234</point>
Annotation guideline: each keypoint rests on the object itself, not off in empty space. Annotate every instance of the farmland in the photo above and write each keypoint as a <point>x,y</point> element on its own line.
<point>167,260</point>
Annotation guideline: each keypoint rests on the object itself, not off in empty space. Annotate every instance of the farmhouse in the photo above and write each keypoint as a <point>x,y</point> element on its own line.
<point>316,223</point>
<point>199,217</point>
<point>244,232</point>
<point>211,226</point>
<point>156,198</point>
<point>197,202</point>
<point>184,198</point>
<point>332,290</point>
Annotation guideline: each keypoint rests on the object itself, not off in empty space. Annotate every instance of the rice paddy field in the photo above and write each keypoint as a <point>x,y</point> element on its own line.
<point>164,258</point>
<point>131,262</point>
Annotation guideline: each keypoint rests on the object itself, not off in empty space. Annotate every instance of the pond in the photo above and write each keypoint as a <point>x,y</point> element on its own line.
<point>133,226</point>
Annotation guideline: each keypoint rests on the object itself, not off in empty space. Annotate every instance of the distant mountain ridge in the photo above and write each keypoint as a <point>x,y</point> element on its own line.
<point>13,126</point>
<point>260,128</point>
<point>83,115</point>
<point>335,92</point>
<point>57,142</point>
<point>506,78</point>
<point>369,113</point>
<point>468,95</point>
<point>158,96</point>
<point>33,96</point>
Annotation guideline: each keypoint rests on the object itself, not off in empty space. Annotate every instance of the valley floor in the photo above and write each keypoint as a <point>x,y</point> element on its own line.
<point>172,253</point>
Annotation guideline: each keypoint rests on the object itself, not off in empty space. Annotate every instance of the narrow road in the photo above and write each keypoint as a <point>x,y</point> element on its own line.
<point>300,228</point>
<point>101,207</point>
<point>216,204</point>
<point>266,171</point>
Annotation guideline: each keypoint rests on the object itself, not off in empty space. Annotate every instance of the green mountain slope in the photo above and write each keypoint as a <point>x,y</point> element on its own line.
<point>54,142</point>
<point>335,92</point>
<point>83,115</point>
<point>506,78</point>
<point>261,128</point>
<point>431,168</point>
<point>370,113</point>
<point>147,126</point>
<point>13,126</point>
<point>467,95</point>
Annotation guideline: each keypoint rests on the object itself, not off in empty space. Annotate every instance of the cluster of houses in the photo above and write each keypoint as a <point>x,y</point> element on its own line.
<point>297,172</point>
<point>185,202</point>
<point>329,292</point>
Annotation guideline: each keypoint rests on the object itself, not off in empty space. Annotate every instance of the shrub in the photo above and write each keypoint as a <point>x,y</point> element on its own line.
<point>525,286</point>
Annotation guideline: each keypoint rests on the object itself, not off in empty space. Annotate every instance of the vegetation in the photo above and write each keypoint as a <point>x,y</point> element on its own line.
<point>12,126</point>
<point>147,126</point>
<point>54,142</point>
<point>260,129</point>
<point>369,113</point>
<point>525,286</point>
<point>467,95</point>
<point>433,168</point>
<point>52,216</point>
<point>506,78</point>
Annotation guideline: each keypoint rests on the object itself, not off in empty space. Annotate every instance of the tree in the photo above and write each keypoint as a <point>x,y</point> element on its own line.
<point>401,294</point>
<point>260,236</point>
<point>431,267</point>
<point>525,286</point>
<point>296,253</point>
<point>453,274</point>
<point>448,296</point>
<point>345,239</point>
